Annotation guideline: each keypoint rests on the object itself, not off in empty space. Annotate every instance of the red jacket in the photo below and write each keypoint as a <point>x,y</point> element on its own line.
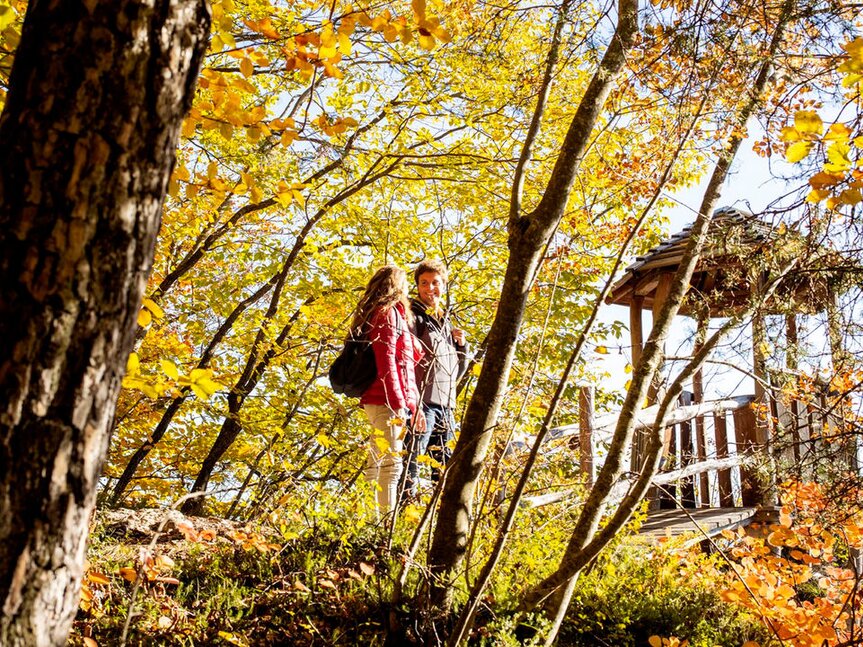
<point>396,354</point>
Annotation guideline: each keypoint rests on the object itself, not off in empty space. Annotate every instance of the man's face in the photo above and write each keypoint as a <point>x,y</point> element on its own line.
<point>431,287</point>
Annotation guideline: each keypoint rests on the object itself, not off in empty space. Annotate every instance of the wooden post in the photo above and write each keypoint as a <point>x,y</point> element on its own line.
<point>656,390</point>
<point>763,431</point>
<point>698,396</point>
<point>687,485</point>
<point>726,497</point>
<point>791,355</point>
<point>840,362</point>
<point>585,432</point>
<point>744,430</point>
<point>660,295</point>
<point>636,337</point>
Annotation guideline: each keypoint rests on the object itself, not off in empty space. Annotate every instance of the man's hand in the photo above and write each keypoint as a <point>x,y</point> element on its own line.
<point>458,336</point>
<point>418,424</point>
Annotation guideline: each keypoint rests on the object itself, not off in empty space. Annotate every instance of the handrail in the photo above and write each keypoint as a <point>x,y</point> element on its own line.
<point>620,488</point>
<point>647,416</point>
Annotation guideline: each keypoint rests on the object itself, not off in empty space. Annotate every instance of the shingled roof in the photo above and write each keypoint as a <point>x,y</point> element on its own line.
<point>737,243</point>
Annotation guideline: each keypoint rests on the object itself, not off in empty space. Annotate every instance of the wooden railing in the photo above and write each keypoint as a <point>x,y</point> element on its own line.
<point>710,448</point>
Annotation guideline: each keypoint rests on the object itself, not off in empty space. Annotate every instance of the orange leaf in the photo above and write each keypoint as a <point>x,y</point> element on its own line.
<point>128,573</point>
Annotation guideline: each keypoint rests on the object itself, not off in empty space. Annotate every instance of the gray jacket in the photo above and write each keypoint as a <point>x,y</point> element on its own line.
<point>444,361</point>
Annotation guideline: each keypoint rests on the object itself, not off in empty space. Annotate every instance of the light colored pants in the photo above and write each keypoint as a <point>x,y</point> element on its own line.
<point>384,463</point>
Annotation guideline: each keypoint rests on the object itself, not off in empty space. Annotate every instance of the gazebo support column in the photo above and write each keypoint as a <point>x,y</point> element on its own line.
<point>698,396</point>
<point>636,337</point>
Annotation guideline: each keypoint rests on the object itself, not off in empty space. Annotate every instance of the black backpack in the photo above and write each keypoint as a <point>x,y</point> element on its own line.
<point>354,370</point>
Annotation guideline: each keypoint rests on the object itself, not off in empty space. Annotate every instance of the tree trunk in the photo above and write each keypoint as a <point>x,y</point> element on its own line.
<point>97,95</point>
<point>528,236</point>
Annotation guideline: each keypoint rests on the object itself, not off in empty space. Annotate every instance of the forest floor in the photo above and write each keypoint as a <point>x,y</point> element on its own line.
<point>156,577</point>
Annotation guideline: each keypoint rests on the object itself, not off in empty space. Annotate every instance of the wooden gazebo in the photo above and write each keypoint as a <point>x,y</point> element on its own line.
<point>740,256</point>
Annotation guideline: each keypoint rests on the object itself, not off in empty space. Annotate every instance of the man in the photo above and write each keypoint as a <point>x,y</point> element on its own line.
<point>437,373</point>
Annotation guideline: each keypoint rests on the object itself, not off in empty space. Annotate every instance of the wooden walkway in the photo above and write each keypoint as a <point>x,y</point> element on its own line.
<point>712,521</point>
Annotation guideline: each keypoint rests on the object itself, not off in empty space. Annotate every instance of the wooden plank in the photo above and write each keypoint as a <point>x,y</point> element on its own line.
<point>702,522</point>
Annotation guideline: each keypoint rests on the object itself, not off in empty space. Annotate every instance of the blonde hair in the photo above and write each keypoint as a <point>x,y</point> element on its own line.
<point>385,289</point>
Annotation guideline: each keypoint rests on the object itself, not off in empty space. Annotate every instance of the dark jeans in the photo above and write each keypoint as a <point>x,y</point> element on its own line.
<point>440,428</point>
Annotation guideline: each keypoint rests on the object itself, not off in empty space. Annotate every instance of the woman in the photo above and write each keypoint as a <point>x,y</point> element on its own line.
<point>383,316</point>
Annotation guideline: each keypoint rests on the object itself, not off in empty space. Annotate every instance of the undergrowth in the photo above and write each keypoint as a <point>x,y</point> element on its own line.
<point>327,580</point>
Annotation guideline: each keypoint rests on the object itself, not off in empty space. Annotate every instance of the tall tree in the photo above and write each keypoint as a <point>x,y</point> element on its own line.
<point>97,95</point>
<point>529,234</point>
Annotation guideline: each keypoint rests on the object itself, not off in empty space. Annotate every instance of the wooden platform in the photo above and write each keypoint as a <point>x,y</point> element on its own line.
<point>673,523</point>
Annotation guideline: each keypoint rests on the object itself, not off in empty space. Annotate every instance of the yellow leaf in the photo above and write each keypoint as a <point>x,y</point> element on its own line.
<point>807,122</point>
<point>838,133</point>
<point>477,368</point>
<point>837,156</point>
<point>247,67</point>
<point>144,318</point>
<point>133,363</point>
<point>7,16</point>
<point>419,7</point>
<point>285,198</point>
<point>212,170</point>
<point>201,393</point>
<point>798,151</point>
<point>344,44</point>
<point>153,307</point>
<point>327,51</point>
<point>189,128</point>
<point>789,134</point>
<point>170,369</point>
<point>817,195</point>
<point>655,641</point>
<point>382,443</point>
<point>198,374</point>
<point>427,41</point>
<point>209,386</point>
<point>601,350</point>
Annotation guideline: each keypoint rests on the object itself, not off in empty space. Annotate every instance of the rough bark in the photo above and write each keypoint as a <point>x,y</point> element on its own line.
<point>527,238</point>
<point>97,95</point>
